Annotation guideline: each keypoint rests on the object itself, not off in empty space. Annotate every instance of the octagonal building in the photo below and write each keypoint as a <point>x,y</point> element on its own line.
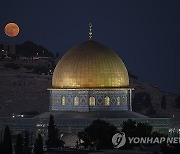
<point>90,77</point>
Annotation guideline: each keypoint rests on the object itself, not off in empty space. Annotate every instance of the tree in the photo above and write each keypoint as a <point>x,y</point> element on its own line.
<point>30,49</point>
<point>26,138</point>
<point>133,129</point>
<point>163,102</point>
<point>98,134</point>
<point>137,102</point>
<point>165,149</point>
<point>53,135</point>
<point>7,142</point>
<point>38,146</point>
<point>26,149</point>
<point>1,147</point>
<point>143,130</point>
<point>142,103</point>
<point>129,127</point>
<point>19,144</point>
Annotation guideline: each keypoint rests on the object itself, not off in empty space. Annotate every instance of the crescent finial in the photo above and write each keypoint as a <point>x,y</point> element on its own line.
<point>90,31</point>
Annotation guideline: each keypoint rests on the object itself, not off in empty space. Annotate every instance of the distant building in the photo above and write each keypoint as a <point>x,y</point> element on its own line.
<point>7,50</point>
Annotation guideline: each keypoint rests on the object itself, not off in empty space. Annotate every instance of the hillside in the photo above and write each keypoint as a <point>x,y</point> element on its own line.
<point>156,96</point>
<point>22,90</point>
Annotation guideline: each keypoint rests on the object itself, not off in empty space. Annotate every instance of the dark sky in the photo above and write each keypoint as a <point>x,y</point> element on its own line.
<point>145,33</point>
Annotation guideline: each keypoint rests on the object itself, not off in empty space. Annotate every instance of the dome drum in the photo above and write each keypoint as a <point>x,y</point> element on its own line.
<point>90,100</point>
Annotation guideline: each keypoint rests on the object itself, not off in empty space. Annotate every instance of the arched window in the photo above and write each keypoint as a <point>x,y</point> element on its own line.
<point>107,101</point>
<point>63,100</point>
<point>118,100</point>
<point>92,101</point>
<point>76,101</point>
<point>125,100</point>
<point>55,100</point>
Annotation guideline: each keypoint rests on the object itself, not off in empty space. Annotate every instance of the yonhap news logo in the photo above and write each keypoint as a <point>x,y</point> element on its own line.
<point>120,139</point>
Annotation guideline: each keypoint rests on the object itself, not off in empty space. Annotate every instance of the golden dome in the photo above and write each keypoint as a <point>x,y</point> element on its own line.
<point>90,65</point>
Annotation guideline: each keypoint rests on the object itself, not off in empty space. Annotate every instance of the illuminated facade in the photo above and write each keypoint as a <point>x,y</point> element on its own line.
<point>90,77</point>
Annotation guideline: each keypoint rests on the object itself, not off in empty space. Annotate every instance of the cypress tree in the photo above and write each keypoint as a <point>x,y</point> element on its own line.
<point>1,147</point>
<point>26,149</point>
<point>53,140</point>
<point>7,142</point>
<point>26,138</point>
<point>35,150</point>
<point>19,144</point>
<point>51,132</point>
<point>38,146</point>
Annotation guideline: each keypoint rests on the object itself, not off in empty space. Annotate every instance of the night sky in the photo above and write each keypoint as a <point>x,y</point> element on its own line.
<point>145,33</point>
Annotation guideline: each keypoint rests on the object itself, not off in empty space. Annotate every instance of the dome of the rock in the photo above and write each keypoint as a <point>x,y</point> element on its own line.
<point>90,65</point>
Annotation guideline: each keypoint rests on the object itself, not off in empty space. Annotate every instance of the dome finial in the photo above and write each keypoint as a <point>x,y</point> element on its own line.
<point>90,31</point>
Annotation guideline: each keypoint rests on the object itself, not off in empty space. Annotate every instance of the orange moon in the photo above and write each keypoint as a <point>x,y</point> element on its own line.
<point>11,29</point>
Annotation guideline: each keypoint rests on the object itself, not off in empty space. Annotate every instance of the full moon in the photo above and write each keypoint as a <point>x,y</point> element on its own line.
<point>11,29</point>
